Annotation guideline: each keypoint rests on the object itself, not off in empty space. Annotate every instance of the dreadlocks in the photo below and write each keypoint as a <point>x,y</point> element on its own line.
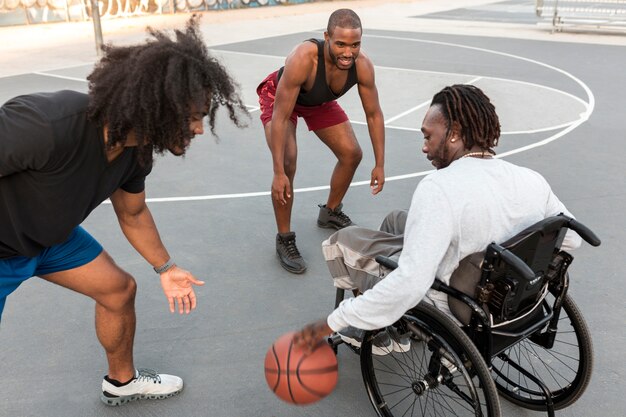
<point>344,18</point>
<point>467,107</point>
<point>149,89</point>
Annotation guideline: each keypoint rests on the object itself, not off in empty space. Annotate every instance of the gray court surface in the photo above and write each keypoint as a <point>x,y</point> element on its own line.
<point>562,107</point>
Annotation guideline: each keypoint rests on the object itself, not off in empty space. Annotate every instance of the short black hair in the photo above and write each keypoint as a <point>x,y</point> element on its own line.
<point>344,18</point>
<point>467,107</point>
<point>149,89</point>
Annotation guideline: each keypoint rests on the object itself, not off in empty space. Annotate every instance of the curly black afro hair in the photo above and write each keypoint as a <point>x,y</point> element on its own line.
<point>149,90</point>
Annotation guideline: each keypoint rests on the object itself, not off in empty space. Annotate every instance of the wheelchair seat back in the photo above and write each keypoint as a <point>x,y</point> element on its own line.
<point>504,294</point>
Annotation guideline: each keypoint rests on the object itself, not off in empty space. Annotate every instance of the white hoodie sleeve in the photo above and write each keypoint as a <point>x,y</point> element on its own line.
<point>428,233</point>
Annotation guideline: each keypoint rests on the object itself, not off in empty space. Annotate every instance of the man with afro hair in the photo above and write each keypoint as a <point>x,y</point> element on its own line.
<point>64,153</point>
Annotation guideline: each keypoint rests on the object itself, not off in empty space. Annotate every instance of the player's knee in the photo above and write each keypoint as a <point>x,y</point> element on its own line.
<point>354,157</point>
<point>129,290</point>
<point>121,295</point>
<point>290,167</point>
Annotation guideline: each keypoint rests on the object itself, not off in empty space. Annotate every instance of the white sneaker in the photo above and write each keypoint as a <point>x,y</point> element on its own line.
<point>381,345</point>
<point>401,342</point>
<point>147,384</point>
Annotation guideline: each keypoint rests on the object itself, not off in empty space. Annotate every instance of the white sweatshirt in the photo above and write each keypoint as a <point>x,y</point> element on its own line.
<point>455,211</point>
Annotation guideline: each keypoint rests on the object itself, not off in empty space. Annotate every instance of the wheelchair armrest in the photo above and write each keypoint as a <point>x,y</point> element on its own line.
<point>513,261</point>
<point>385,261</point>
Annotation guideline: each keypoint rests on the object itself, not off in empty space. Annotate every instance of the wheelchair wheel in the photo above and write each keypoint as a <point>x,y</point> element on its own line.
<point>565,368</point>
<point>442,374</point>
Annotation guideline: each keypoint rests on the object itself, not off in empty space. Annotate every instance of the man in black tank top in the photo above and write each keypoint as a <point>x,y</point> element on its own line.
<point>316,73</point>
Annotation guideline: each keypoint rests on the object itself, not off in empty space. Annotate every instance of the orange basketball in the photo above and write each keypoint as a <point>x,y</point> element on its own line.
<point>297,377</point>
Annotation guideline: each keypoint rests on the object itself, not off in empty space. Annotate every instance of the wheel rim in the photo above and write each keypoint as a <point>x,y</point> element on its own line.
<point>420,383</point>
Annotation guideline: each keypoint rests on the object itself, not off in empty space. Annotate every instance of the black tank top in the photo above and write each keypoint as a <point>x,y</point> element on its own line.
<point>321,91</point>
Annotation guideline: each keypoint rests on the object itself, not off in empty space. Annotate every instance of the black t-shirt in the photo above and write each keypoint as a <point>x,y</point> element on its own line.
<point>54,170</point>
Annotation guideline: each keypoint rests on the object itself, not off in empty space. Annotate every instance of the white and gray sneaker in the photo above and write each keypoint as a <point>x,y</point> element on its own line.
<point>147,384</point>
<point>401,342</point>
<point>381,344</point>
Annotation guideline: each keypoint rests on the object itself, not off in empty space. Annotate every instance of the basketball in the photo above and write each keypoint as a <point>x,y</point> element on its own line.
<point>298,377</point>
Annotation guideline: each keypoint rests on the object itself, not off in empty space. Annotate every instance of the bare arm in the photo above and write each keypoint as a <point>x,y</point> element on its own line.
<point>298,66</point>
<point>139,228</point>
<point>374,117</point>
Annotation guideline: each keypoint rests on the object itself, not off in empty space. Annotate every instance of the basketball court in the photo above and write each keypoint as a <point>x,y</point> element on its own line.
<point>561,105</point>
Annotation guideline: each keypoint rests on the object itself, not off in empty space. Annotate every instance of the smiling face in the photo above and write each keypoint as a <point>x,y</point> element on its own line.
<point>343,46</point>
<point>441,145</point>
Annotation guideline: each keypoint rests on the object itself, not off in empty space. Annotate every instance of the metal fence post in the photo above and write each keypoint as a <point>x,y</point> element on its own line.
<point>97,28</point>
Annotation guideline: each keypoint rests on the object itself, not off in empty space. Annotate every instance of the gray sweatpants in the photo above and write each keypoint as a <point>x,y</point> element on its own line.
<point>350,255</point>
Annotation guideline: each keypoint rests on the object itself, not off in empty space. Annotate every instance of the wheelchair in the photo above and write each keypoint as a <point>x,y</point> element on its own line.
<point>517,333</point>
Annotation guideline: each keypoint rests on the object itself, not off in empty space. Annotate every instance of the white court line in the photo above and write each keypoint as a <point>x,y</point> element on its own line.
<point>404,113</point>
<point>590,96</point>
<point>514,132</point>
<point>419,106</point>
<point>251,107</point>
<point>64,77</point>
<point>510,80</point>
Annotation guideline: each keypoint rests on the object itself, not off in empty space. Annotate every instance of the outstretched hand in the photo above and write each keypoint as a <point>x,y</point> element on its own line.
<point>311,335</point>
<point>378,180</point>
<point>177,286</point>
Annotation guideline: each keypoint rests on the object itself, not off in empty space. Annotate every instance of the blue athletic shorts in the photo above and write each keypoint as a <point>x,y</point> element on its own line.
<point>79,249</point>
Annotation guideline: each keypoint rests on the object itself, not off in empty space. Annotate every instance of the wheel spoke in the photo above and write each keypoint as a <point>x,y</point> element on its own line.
<point>420,382</point>
<point>564,368</point>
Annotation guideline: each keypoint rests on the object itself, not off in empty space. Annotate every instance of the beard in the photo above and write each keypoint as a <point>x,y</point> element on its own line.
<point>335,60</point>
<point>442,158</point>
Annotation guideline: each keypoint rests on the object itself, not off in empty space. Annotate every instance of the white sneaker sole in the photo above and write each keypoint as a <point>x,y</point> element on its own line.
<point>401,347</point>
<point>376,350</point>
<point>115,400</point>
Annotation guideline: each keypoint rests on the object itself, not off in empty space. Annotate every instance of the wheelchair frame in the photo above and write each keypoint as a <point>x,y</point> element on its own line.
<point>482,332</point>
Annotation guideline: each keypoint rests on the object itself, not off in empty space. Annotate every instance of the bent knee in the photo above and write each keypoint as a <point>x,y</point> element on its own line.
<point>121,294</point>
<point>352,157</point>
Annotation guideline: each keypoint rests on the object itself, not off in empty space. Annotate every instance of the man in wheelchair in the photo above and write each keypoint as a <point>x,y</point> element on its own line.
<point>471,201</point>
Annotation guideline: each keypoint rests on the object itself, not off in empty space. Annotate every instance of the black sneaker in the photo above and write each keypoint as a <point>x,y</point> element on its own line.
<point>336,218</point>
<point>288,253</point>
<point>381,345</point>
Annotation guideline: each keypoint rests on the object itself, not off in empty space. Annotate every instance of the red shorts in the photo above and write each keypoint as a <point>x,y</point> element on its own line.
<point>316,117</point>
